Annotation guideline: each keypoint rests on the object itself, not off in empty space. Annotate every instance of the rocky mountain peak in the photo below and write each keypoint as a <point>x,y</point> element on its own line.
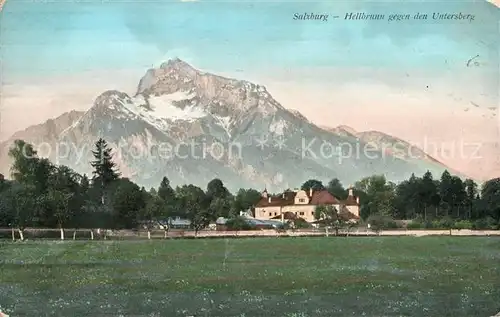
<point>214,94</point>
<point>110,102</point>
<point>177,64</point>
<point>171,76</point>
<point>347,129</point>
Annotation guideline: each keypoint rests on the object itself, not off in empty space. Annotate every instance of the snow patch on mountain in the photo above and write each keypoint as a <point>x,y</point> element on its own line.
<point>224,122</point>
<point>163,107</point>
<point>278,127</point>
<point>159,111</point>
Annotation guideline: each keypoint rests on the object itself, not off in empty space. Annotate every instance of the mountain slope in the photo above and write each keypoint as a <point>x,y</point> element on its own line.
<point>193,126</point>
<point>394,146</point>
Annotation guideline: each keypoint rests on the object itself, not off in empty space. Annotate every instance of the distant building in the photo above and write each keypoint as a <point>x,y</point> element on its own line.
<point>221,223</point>
<point>175,223</point>
<point>302,204</point>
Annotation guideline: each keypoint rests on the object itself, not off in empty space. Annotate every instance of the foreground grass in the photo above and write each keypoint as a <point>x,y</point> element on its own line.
<point>385,276</point>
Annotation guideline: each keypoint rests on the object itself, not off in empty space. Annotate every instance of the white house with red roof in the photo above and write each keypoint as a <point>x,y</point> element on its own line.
<point>302,204</point>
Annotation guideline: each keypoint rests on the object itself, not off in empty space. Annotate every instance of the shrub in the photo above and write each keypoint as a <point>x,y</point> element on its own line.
<point>239,223</point>
<point>487,223</point>
<point>462,224</point>
<point>391,224</point>
<point>379,222</point>
<point>428,225</point>
<point>436,224</point>
<point>414,225</point>
<point>301,224</point>
<point>444,223</point>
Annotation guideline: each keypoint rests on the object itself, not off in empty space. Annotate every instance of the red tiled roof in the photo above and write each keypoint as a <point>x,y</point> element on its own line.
<point>347,215</point>
<point>321,197</point>
<point>350,201</point>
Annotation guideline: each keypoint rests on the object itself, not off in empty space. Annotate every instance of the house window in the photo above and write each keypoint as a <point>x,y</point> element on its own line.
<point>301,213</point>
<point>270,214</point>
<point>302,200</point>
<point>275,213</point>
<point>312,213</point>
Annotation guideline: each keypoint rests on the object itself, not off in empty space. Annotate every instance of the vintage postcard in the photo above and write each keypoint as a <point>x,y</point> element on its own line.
<point>187,118</point>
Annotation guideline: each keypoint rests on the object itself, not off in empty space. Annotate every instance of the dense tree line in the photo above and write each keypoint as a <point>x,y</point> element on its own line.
<point>42,194</point>
<point>431,203</point>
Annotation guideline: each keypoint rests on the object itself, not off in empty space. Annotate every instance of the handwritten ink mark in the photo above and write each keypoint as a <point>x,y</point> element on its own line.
<point>469,62</point>
<point>474,104</point>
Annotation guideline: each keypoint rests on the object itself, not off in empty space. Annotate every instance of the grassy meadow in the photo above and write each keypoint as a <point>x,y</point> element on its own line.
<point>355,276</point>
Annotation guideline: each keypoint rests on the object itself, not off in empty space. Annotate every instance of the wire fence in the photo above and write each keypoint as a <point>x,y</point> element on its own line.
<point>107,234</point>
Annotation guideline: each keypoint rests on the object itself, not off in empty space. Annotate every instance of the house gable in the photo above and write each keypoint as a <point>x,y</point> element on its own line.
<point>301,198</point>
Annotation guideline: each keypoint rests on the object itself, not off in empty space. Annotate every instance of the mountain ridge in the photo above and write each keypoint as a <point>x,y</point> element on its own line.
<point>176,105</point>
<point>381,139</point>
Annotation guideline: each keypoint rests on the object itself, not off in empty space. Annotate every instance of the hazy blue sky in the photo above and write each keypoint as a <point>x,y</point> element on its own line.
<point>55,36</point>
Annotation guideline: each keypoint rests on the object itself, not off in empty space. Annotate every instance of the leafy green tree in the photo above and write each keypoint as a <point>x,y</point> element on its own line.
<point>19,202</point>
<point>6,211</point>
<point>3,183</point>
<point>59,201</point>
<point>471,192</point>
<point>490,195</point>
<point>314,184</point>
<point>155,208</point>
<point>165,191</point>
<point>458,195</point>
<point>220,207</point>
<point>336,189</point>
<point>105,171</point>
<point>216,189</point>
<point>23,155</point>
<point>406,201</point>
<point>28,168</point>
<point>219,199</point>
<point>62,198</point>
<point>127,203</point>
<point>446,192</point>
<point>195,203</point>
<point>330,217</point>
<point>379,195</point>
<point>153,191</point>
<point>168,194</point>
<point>245,200</point>
<point>84,183</point>
<point>427,193</point>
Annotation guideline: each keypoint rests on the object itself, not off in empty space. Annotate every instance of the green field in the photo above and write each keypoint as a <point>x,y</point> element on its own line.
<point>384,276</point>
